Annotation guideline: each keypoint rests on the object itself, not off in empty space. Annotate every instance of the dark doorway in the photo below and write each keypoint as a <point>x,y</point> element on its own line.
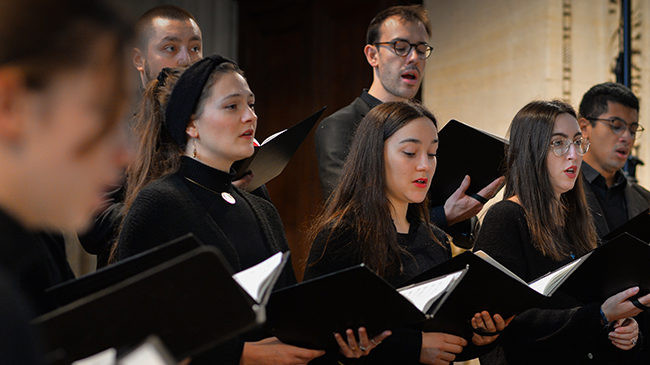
<point>299,56</point>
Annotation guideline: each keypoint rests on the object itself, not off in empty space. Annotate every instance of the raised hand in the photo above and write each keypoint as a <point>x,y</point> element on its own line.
<point>460,206</point>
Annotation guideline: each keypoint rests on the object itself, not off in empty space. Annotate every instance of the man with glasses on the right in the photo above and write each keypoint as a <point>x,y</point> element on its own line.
<point>609,117</point>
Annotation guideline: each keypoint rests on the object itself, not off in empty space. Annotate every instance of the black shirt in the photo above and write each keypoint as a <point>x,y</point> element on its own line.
<point>611,199</point>
<point>237,220</point>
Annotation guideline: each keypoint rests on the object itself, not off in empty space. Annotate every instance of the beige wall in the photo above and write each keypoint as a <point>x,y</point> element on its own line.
<point>493,57</point>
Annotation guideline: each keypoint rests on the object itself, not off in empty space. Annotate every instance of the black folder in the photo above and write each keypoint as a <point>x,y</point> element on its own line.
<point>274,154</point>
<point>485,287</point>
<point>638,227</point>
<point>465,150</point>
<point>191,302</point>
<point>307,314</point>
<point>72,290</point>
<point>617,265</point>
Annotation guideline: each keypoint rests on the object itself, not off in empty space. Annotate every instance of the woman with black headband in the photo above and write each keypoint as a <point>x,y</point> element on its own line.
<point>181,182</point>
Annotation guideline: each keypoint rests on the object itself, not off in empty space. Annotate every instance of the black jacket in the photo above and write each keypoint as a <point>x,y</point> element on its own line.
<point>637,200</point>
<point>334,136</point>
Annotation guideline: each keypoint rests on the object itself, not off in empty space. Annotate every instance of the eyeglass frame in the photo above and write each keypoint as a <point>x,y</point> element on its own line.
<point>610,124</point>
<point>567,146</point>
<point>411,47</point>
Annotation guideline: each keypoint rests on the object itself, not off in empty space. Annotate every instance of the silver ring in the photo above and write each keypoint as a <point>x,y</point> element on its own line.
<point>363,348</point>
<point>634,341</point>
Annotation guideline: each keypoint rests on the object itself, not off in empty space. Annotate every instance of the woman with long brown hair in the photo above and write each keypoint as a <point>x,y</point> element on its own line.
<point>378,216</point>
<point>543,223</point>
<point>193,125</point>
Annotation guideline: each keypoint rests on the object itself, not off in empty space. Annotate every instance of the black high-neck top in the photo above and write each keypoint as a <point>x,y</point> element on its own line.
<point>236,220</point>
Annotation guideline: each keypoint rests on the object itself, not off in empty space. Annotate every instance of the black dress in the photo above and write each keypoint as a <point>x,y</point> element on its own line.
<point>190,201</point>
<point>536,336</point>
<point>403,346</point>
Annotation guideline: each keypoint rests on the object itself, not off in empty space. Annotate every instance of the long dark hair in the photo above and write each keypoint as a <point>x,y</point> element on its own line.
<point>359,203</point>
<point>558,227</point>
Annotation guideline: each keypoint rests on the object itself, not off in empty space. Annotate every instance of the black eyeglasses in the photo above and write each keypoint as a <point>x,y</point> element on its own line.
<point>618,125</point>
<point>403,48</point>
<point>560,145</point>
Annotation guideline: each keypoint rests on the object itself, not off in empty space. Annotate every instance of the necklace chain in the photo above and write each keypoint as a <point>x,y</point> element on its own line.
<point>203,186</point>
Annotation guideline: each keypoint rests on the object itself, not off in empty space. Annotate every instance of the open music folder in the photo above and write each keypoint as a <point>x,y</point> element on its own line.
<point>273,155</point>
<point>307,314</point>
<point>466,150</point>
<point>615,266</point>
<point>191,302</point>
<point>618,264</point>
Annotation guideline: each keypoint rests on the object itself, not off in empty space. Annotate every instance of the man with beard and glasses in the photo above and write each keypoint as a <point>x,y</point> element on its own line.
<point>397,50</point>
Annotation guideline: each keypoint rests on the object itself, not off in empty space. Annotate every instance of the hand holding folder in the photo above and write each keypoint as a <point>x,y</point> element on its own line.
<point>307,314</point>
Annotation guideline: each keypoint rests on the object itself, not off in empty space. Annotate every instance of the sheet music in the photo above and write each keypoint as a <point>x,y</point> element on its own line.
<point>253,278</point>
<point>547,283</point>
<point>495,263</point>
<point>269,138</point>
<point>422,294</point>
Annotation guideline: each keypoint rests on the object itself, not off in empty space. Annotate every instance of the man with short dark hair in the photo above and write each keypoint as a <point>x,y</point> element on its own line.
<point>167,36</point>
<point>397,49</point>
<point>609,117</point>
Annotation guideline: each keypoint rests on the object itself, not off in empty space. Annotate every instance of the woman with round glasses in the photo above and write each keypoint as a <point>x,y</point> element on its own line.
<point>543,223</point>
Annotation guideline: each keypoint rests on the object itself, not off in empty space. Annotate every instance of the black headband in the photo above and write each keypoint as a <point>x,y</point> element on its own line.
<point>186,95</point>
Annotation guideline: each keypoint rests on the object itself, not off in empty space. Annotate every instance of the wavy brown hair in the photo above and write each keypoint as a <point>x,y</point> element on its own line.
<point>359,204</point>
<point>558,227</point>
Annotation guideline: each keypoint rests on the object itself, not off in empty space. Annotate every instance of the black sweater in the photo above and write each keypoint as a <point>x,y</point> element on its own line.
<point>403,346</point>
<point>30,262</point>
<point>536,336</point>
<point>173,206</point>
<point>34,260</point>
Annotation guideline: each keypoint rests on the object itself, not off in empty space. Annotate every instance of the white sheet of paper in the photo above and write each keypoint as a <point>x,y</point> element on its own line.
<point>106,357</point>
<point>252,278</point>
<point>542,285</point>
<point>420,295</point>
<point>147,354</point>
<point>497,264</point>
<point>270,138</point>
